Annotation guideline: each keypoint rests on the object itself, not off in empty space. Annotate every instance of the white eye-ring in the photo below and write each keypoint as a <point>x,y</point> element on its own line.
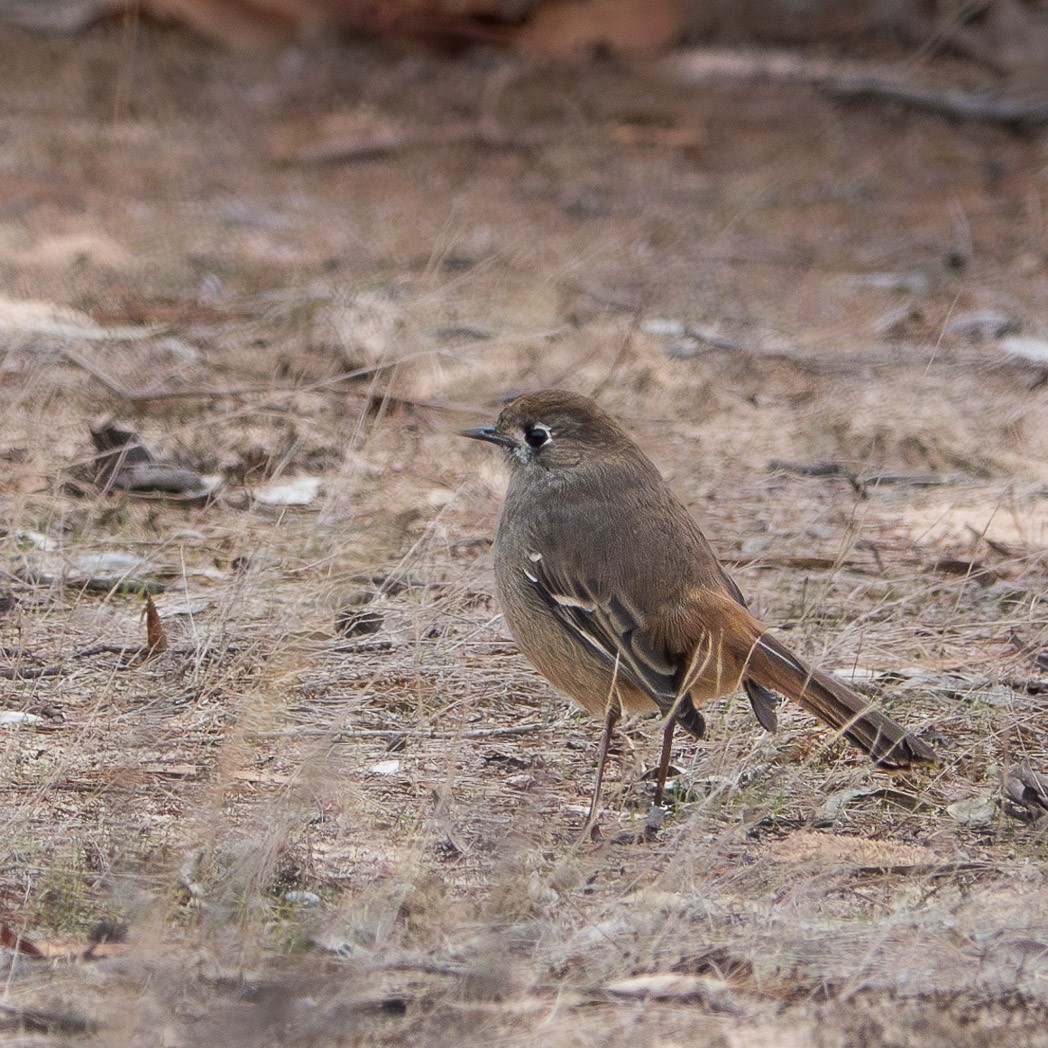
<point>536,436</point>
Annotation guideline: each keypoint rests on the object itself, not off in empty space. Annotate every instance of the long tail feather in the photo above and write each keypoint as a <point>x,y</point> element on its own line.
<point>890,745</point>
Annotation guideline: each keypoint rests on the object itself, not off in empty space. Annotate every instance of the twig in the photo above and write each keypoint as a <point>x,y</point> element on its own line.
<point>858,480</point>
<point>853,80</point>
<point>455,971</point>
<point>1026,111</point>
<point>139,398</point>
<point>799,563</point>
<point>130,657</point>
<point>33,673</point>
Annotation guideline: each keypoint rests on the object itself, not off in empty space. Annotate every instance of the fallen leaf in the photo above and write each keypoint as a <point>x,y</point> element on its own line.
<point>156,634</point>
<point>17,942</point>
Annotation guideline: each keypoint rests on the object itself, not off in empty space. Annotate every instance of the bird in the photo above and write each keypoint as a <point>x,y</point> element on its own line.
<point>614,594</point>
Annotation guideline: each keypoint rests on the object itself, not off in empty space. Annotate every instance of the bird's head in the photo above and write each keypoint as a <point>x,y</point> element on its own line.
<point>553,430</point>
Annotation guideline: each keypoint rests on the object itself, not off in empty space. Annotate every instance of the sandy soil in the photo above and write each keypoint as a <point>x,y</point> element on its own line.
<point>305,834</point>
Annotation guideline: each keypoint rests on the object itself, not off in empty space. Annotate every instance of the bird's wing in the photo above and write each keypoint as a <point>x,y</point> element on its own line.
<point>610,626</point>
<point>712,646</point>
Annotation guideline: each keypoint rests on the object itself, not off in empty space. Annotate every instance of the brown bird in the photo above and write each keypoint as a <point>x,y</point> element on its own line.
<point>614,594</point>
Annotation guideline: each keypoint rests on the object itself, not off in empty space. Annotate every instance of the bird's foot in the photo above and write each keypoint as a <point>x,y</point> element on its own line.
<point>647,833</point>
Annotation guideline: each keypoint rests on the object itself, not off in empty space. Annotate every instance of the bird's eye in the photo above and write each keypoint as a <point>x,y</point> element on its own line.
<point>536,436</point>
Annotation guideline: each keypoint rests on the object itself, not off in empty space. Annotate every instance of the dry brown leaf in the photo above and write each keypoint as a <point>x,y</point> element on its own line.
<point>156,632</point>
<point>11,940</point>
<point>578,28</point>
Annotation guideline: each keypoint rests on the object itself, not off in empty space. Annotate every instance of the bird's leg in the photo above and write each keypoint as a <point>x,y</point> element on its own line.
<point>605,744</point>
<point>688,717</point>
<point>664,763</point>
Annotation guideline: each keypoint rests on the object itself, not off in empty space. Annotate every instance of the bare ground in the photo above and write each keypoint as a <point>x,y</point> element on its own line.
<point>309,838</point>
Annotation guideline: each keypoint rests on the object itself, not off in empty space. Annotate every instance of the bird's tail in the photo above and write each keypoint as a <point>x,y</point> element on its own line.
<point>770,664</point>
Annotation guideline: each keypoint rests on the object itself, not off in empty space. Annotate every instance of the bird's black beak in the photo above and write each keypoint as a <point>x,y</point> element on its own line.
<point>491,435</point>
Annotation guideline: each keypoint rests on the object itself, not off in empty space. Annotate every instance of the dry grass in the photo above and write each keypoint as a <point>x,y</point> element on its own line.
<point>420,783</point>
